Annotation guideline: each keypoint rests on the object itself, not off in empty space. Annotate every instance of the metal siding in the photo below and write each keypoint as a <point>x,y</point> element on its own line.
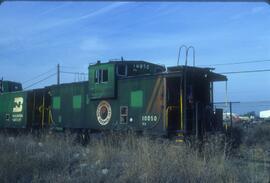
<point>150,86</point>
<point>18,118</point>
<point>68,116</point>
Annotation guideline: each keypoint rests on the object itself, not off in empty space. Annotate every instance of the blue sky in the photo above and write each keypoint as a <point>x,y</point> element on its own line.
<point>35,36</point>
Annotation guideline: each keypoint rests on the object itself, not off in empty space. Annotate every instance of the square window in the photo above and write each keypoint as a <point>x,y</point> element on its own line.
<point>123,119</point>
<point>97,76</point>
<point>123,110</point>
<point>7,117</point>
<point>123,114</point>
<point>105,75</point>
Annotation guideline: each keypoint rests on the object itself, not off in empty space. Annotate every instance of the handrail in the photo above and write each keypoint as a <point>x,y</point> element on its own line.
<point>193,50</point>
<point>184,83</point>
<point>187,53</point>
<point>179,52</point>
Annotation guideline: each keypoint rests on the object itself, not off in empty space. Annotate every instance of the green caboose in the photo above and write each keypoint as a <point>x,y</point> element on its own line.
<point>139,96</point>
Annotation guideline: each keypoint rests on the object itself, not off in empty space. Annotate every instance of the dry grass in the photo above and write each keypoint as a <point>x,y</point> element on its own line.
<point>128,158</point>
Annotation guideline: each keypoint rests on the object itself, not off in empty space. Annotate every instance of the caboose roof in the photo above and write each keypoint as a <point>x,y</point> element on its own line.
<point>116,62</point>
<point>198,70</point>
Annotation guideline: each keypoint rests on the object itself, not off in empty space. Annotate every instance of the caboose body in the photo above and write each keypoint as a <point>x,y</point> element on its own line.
<point>125,95</point>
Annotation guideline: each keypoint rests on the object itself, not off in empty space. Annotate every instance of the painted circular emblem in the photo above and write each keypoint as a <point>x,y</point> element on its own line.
<point>104,113</point>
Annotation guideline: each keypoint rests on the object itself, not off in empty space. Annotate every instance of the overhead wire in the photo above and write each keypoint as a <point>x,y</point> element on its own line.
<point>40,81</point>
<point>78,76</point>
<point>68,72</point>
<point>238,63</point>
<point>247,71</point>
<point>68,67</point>
<point>49,76</point>
<point>38,76</point>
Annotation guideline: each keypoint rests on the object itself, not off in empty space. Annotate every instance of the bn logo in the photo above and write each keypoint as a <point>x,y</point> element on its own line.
<point>18,104</point>
<point>104,113</point>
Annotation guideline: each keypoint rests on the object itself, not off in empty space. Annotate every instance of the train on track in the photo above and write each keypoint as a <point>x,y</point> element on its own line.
<point>119,95</point>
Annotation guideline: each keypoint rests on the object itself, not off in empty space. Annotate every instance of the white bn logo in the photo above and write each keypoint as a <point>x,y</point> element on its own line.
<point>18,104</point>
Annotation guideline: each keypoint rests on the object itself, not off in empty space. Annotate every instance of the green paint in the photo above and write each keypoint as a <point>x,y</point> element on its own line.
<point>87,99</point>
<point>60,119</point>
<point>56,102</point>
<point>13,110</point>
<point>136,98</point>
<point>102,81</point>
<point>73,105</point>
<point>77,102</point>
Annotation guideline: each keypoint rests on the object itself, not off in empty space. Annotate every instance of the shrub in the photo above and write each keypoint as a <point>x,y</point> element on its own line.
<point>122,158</point>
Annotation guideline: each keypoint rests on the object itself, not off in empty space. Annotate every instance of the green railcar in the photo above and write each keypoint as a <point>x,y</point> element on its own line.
<point>25,109</point>
<point>120,95</point>
<point>138,95</point>
<point>82,105</point>
<point>69,105</point>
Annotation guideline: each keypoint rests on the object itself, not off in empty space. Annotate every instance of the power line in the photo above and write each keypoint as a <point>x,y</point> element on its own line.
<point>67,72</point>
<point>238,63</point>
<point>248,71</point>
<point>40,80</point>
<point>38,76</point>
<point>79,76</point>
<point>247,103</point>
<point>68,67</point>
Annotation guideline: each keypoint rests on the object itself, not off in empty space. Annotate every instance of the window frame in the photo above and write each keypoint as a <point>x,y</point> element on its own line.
<point>117,70</point>
<point>123,115</point>
<point>102,75</point>
<point>99,76</point>
<point>7,117</point>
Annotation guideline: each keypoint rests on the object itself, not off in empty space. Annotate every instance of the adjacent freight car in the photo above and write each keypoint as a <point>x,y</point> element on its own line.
<point>24,109</point>
<point>9,86</point>
<point>122,95</point>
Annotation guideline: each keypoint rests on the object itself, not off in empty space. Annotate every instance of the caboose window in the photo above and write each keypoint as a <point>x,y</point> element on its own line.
<point>97,76</point>
<point>123,114</point>
<point>104,75</point>
<point>101,76</point>
<point>122,70</point>
<point>7,117</point>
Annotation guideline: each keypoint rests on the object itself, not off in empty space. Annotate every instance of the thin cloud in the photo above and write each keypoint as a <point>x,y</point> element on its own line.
<point>54,9</point>
<point>252,11</point>
<point>258,9</point>
<point>29,33</point>
<point>93,44</point>
<point>93,14</point>
<point>101,11</point>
